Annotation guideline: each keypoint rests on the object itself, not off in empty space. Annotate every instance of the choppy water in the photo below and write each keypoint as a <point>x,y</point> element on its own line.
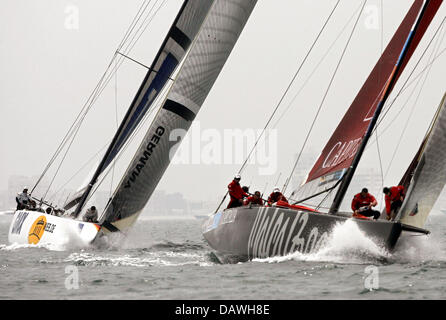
<point>168,259</point>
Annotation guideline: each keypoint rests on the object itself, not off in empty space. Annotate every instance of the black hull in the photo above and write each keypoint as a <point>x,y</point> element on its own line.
<point>245,233</point>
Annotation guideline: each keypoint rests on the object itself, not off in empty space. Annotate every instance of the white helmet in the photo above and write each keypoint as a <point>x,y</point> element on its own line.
<point>237,176</point>
<point>276,189</point>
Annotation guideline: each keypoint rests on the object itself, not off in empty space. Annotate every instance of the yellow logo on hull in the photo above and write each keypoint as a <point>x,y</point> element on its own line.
<point>36,231</point>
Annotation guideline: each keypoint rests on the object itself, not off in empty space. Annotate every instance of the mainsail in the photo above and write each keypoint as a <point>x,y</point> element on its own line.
<point>347,142</point>
<point>173,50</point>
<point>429,176</point>
<point>197,75</point>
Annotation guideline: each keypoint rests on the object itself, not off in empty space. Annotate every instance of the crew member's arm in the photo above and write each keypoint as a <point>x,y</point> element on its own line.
<point>373,203</point>
<point>354,205</point>
<point>388,205</point>
<point>402,192</point>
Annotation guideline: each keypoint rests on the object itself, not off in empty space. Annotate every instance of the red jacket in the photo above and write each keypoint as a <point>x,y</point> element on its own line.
<point>253,200</point>
<point>276,196</point>
<point>395,194</point>
<point>359,201</point>
<point>236,191</point>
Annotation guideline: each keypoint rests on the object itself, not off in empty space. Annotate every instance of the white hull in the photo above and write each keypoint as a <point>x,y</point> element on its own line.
<point>37,228</point>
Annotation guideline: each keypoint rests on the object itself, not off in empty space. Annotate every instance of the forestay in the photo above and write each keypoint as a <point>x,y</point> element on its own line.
<point>198,73</point>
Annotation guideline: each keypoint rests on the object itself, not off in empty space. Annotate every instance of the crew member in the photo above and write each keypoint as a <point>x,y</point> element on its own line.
<point>394,199</point>
<point>275,196</point>
<point>362,204</point>
<point>91,215</point>
<point>254,199</point>
<point>246,189</point>
<point>236,193</point>
<point>23,199</point>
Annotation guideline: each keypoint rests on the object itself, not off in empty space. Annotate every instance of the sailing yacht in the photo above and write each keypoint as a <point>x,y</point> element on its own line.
<point>247,232</point>
<point>194,52</point>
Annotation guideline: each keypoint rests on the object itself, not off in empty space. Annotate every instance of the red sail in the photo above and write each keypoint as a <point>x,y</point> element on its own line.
<point>341,149</point>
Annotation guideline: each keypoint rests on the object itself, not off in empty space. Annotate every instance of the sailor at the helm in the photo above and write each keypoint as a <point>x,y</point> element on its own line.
<point>276,196</point>
<point>236,193</point>
<point>23,199</point>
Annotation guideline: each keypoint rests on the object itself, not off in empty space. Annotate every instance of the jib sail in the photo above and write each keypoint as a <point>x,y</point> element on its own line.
<point>429,176</point>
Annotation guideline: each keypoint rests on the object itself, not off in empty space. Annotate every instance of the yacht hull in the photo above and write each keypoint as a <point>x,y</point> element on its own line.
<point>37,228</point>
<point>244,233</point>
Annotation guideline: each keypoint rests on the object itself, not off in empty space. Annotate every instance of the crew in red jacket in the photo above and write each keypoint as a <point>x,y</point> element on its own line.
<point>363,202</point>
<point>275,196</point>
<point>236,193</point>
<point>255,199</point>
<point>394,199</point>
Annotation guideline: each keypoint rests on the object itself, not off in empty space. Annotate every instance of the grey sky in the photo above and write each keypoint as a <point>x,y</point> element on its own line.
<point>49,70</point>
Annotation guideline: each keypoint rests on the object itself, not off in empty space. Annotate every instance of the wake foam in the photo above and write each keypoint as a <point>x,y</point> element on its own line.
<point>148,260</point>
<point>345,244</point>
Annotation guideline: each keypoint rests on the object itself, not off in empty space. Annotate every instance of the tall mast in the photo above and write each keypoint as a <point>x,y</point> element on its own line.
<point>391,82</point>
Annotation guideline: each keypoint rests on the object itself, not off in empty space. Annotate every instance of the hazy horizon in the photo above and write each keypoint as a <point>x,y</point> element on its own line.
<point>53,53</point>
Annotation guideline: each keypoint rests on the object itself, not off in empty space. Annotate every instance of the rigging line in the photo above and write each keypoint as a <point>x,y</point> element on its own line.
<point>141,64</point>
<point>148,23</point>
<point>134,22</point>
<point>143,22</point>
<point>405,125</point>
<point>413,70</point>
<point>376,132</point>
<point>281,99</point>
<point>77,172</point>
<point>406,86</point>
<point>326,93</point>
<point>130,46</point>
<point>70,130</point>
<point>323,200</point>
<point>62,144</point>
<point>413,106</point>
<point>87,106</point>
<point>117,126</point>
<point>410,84</point>
<point>132,43</point>
<point>289,86</point>
<point>317,66</point>
<point>60,164</point>
<point>73,134</point>
<point>380,166</point>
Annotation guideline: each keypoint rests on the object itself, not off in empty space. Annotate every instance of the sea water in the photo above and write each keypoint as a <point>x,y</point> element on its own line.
<point>168,259</point>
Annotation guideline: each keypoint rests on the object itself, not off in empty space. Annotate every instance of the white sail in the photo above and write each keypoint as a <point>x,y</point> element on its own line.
<point>200,69</point>
<point>429,176</point>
